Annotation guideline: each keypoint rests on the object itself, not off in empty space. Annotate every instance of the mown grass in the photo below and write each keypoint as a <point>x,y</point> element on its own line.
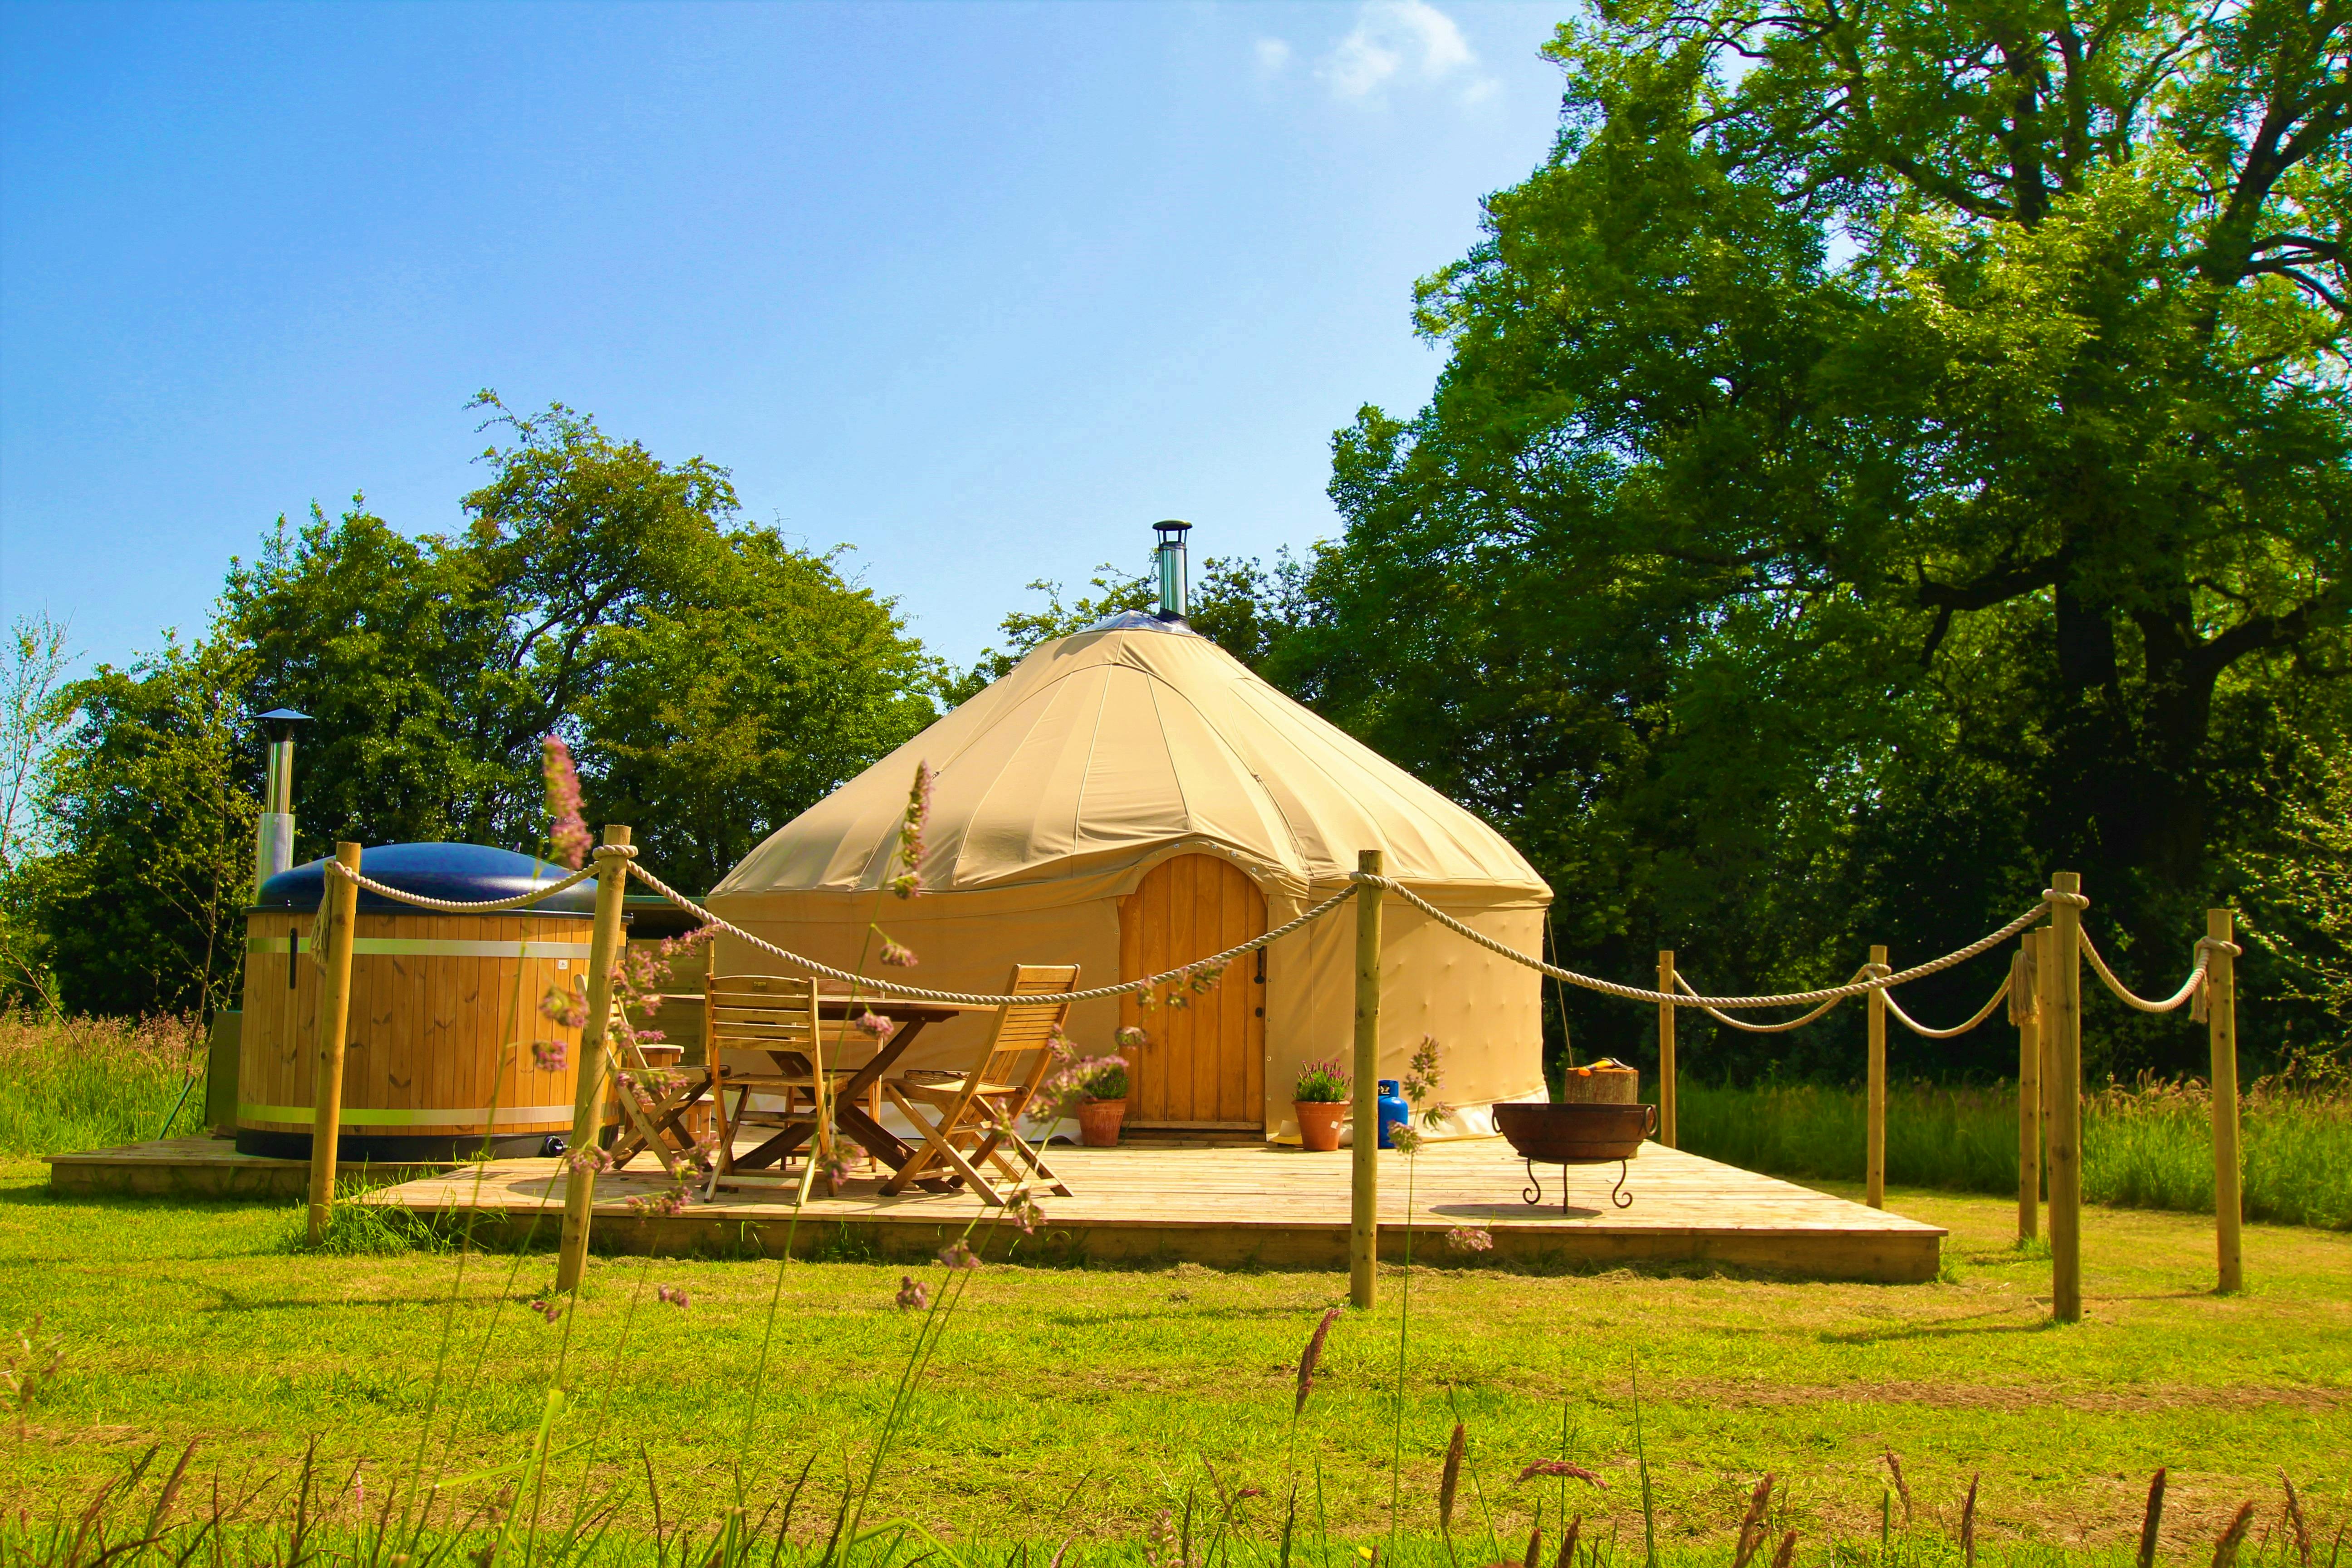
<point>94,1083</point>
<point>1089,1401</point>
<point>2145,1147</point>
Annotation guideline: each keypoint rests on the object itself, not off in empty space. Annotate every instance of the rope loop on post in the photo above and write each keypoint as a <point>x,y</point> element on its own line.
<point>617,852</point>
<point>2024,1000</point>
<point>2052,896</point>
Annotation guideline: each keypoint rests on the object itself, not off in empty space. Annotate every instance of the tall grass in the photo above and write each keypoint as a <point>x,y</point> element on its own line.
<point>2146,1146</point>
<point>93,1083</point>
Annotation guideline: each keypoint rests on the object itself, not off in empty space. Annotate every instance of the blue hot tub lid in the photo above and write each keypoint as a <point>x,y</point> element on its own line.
<point>462,873</point>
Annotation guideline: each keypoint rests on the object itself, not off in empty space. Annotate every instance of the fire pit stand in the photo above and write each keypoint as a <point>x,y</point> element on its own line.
<point>1575,1133</point>
<point>1534,1191</point>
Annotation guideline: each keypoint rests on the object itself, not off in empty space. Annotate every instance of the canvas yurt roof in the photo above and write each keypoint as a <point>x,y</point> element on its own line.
<point>1101,749</point>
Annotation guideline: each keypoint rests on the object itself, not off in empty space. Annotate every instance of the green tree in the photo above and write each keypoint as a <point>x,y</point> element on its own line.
<point>434,666</point>
<point>726,712</point>
<point>31,717</point>
<point>713,680</point>
<point>1882,453</point>
<point>1237,603</point>
<point>148,797</point>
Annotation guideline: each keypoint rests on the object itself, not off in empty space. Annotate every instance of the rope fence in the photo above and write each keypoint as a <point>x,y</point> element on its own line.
<point>1867,979</point>
<point>2042,988</point>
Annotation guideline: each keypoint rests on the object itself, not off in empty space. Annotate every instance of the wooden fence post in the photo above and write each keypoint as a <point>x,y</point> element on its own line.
<point>339,900</point>
<point>1364,1149</point>
<point>1669,1100</point>
<point>2063,948</point>
<point>1873,1157</point>
<point>2023,1002</point>
<point>588,1098</point>
<point>2222,1030</point>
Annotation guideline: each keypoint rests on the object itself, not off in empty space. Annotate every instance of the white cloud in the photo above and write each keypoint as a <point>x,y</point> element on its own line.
<point>1273,55</point>
<point>1396,41</point>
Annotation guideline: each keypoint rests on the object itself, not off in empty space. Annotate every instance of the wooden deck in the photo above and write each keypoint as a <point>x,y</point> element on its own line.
<point>1256,1205</point>
<point>201,1167</point>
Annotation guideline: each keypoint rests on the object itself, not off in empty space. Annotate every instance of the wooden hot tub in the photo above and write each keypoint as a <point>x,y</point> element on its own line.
<point>444,1010</point>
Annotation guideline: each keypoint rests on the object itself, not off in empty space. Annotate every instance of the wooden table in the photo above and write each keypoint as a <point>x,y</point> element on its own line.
<point>848,1114</point>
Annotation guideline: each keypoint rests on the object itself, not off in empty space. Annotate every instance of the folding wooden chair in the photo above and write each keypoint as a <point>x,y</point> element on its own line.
<point>658,1121</point>
<point>970,1120</point>
<point>764,1038</point>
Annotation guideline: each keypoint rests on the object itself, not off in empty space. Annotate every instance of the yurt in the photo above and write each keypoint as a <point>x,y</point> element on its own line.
<point>1131,799</point>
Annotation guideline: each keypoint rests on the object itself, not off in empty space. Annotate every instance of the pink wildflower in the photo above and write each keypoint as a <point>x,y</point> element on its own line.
<point>1025,1215</point>
<point>670,1201</point>
<point>1131,1038</point>
<point>895,954</point>
<point>908,884</point>
<point>566,1006</point>
<point>1421,1074</point>
<point>568,836</point>
<point>872,1023</point>
<point>958,1254</point>
<point>912,1297</point>
<point>587,1161</point>
<point>547,1309</point>
<point>1307,1362</point>
<point>673,1294</point>
<point>548,1056</point>
<point>1470,1239</point>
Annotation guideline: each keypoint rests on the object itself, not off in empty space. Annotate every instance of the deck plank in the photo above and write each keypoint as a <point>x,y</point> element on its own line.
<point>1220,1205</point>
<point>1275,1207</point>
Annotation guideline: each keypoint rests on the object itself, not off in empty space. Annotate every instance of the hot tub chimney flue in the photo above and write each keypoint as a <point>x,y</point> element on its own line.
<point>273,838</point>
<point>1175,571</point>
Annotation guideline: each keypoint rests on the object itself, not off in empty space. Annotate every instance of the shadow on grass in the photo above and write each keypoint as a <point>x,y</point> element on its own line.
<point>1965,1325</point>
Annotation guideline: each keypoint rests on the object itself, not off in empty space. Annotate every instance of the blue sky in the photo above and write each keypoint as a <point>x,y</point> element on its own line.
<point>978,289</point>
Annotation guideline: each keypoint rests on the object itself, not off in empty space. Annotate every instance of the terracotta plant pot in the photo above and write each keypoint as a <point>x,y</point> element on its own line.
<point>1318,1123</point>
<point>1098,1123</point>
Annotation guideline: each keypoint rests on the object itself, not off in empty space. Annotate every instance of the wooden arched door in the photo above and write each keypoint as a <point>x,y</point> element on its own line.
<point>1204,1064</point>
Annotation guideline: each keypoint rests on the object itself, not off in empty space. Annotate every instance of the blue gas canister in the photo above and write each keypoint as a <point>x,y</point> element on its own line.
<point>1393,1110</point>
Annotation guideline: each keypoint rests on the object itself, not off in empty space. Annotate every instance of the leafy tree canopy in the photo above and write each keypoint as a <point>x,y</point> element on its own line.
<point>713,679</point>
<point>1884,452</point>
<point>151,818</point>
<point>1238,602</point>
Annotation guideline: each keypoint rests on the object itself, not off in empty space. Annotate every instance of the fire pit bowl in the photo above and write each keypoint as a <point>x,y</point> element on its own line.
<point>1568,1133</point>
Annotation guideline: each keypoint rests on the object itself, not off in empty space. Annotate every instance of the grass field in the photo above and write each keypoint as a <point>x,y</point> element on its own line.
<point>1090,1400</point>
<point>2147,1148</point>
<point>94,1083</point>
<point>91,1083</point>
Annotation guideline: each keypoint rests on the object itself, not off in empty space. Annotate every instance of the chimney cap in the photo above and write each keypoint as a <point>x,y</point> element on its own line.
<point>281,721</point>
<point>1172,530</point>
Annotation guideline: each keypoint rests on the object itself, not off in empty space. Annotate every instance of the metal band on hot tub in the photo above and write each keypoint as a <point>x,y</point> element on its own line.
<point>362,1116</point>
<point>432,947</point>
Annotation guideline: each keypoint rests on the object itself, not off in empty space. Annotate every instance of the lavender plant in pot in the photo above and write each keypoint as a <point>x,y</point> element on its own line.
<point>1102,1105</point>
<point>1320,1103</point>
